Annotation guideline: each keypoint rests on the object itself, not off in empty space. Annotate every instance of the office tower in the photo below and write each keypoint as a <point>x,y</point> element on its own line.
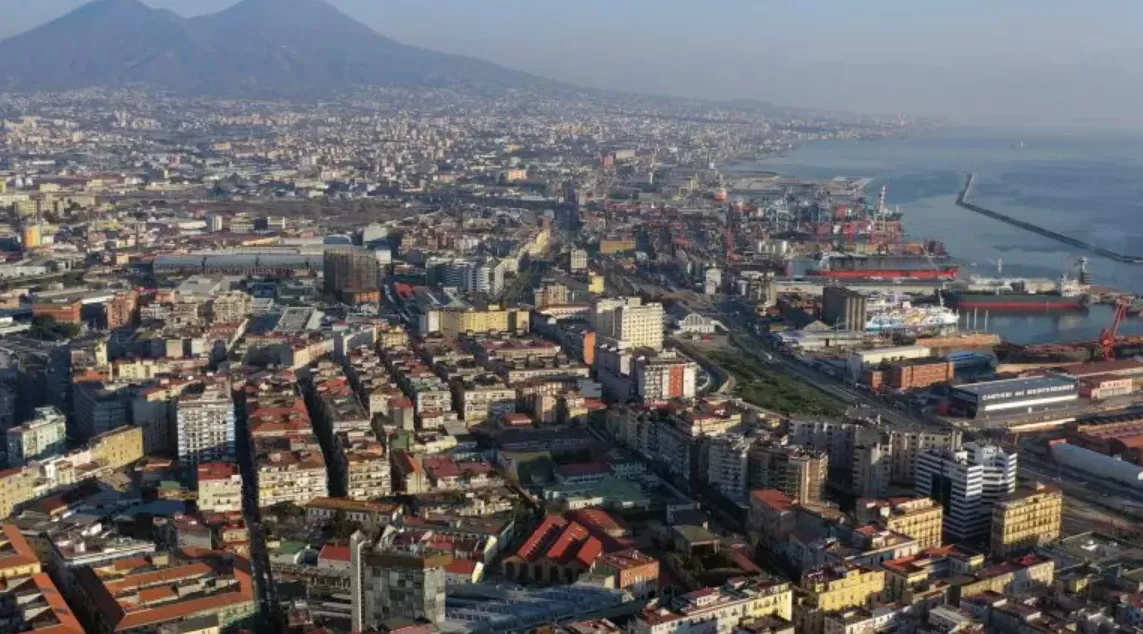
<point>389,584</point>
<point>349,270</point>
<point>967,482</point>
<point>204,424</point>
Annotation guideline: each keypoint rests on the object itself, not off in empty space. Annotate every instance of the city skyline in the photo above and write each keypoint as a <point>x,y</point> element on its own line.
<point>1049,64</point>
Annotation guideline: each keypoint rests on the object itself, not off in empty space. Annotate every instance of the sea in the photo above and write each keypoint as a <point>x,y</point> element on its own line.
<point>1089,186</point>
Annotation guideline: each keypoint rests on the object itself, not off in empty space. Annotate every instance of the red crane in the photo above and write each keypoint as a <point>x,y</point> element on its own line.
<point>1110,335</point>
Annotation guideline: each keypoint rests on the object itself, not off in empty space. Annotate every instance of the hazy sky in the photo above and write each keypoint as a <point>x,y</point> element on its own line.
<point>1035,62</point>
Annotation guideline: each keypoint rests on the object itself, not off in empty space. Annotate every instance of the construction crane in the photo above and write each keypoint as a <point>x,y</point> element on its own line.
<point>1110,335</point>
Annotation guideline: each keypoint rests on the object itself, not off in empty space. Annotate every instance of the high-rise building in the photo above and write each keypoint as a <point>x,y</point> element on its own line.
<point>798,472</point>
<point>349,270</point>
<point>577,260</point>
<point>967,482</point>
<point>387,584</point>
<point>474,277</point>
<point>42,437</point>
<point>1025,519</point>
<point>629,319</point>
<point>204,424</point>
<point>664,377</point>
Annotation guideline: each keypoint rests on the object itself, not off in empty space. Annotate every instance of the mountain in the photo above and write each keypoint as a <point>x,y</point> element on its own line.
<point>255,48</point>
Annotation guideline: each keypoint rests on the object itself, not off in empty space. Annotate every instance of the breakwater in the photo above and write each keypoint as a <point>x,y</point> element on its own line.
<point>962,201</point>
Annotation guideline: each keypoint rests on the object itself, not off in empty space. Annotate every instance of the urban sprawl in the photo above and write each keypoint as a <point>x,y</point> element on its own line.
<point>433,361</point>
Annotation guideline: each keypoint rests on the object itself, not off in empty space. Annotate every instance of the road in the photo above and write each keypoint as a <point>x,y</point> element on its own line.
<point>269,608</point>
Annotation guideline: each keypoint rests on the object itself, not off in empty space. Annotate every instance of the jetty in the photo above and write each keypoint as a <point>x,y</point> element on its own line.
<point>962,201</point>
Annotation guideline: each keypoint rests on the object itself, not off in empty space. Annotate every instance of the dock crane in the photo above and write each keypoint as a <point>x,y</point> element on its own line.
<point>1110,335</point>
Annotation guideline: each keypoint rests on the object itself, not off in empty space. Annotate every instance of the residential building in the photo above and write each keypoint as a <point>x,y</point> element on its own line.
<point>718,609</point>
<point>836,587</point>
<point>577,260</point>
<point>728,465</point>
<point>631,570</point>
<point>451,322</point>
<point>920,518</point>
<point>371,515</point>
<point>117,448</point>
<point>1013,576</point>
<point>44,436</point>
<point>204,424</point>
<point>798,472</point>
<point>771,517</point>
<point>664,377</point>
<point>967,482</point>
<point>32,603</point>
<point>1027,518</point>
<point>142,594</point>
<point>219,487</point>
<point>100,407</point>
<point>630,320</point>
<point>17,558</point>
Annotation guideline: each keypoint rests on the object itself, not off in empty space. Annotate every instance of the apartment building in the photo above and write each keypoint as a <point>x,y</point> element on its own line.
<point>144,594</point>
<point>101,406</point>
<point>44,436</point>
<point>1026,518</point>
<point>718,609</point>
<point>482,398</point>
<point>368,471</point>
<point>630,320</point>
<point>204,424</point>
<point>920,518</point>
<point>798,472</point>
<point>836,587</point>
<point>117,448</point>
<point>219,488</point>
<point>664,377</point>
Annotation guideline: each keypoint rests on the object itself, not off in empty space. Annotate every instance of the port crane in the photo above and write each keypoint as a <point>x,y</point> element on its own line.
<point>1110,335</point>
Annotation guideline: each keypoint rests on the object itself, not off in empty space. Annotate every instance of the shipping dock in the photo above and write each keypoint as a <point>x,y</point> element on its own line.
<point>962,201</point>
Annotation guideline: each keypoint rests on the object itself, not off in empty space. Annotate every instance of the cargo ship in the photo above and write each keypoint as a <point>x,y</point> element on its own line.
<point>1068,295</point>
<point>882,267</point>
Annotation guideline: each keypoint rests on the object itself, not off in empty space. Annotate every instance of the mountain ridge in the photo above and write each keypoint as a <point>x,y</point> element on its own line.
<point>253,48</point>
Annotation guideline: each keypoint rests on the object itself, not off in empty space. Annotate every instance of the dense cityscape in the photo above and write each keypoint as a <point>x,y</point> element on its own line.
<point>471,361</point>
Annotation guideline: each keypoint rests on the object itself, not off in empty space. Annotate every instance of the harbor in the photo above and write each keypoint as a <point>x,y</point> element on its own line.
<point>962,201</point>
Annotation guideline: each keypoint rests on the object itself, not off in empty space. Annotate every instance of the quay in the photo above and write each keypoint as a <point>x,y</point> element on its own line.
<point>962,201</point>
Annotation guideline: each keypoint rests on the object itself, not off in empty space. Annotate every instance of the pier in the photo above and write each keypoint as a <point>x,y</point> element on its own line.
<point>962,201</point>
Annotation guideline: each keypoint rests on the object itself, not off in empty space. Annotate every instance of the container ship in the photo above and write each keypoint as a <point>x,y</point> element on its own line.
<point>1068,295</point>
<point>882,267</point>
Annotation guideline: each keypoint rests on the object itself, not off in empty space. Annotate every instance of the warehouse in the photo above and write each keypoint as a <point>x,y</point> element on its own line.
<point>1014,396</point>
<point>862,359</point>
<point>1096,464</point>
<point>1103,386</point>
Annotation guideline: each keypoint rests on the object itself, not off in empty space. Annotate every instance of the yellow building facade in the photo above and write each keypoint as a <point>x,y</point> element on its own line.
<point>922,519</point>
<point>118,447</point>
<point>1025,519</point>
<point>17,558</point>
<point>843,586</point>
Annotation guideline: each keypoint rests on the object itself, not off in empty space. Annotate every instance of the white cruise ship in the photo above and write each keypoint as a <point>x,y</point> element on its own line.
<point>893,314</point>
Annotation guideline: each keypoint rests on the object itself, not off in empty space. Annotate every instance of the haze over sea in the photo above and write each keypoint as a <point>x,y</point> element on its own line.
<point>1089,186</point>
